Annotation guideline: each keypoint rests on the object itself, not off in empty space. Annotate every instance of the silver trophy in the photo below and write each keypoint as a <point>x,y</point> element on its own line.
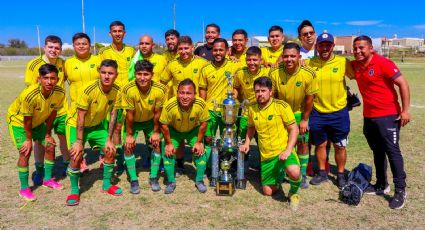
<point>226,150</point>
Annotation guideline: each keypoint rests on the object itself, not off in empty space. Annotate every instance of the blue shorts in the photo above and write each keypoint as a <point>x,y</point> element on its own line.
<point>329,126</point>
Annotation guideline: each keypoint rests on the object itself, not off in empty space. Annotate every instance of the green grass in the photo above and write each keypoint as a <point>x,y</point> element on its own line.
<point>186,208</point>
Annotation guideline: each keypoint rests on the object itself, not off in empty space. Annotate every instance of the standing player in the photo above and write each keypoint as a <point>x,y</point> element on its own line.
<point>143,99</point>
<point>296,85</point>
<point>274,122</point>
<point>146,46</point>
<point>184,117</point>
<point>52,51</point>
<point>239,43</point>
<point>212,31</point>
<point>329,119</point>
<point>30,118</point>
<point>383,116</point>
<point>271,54</point>
<point>307,36</point>
<point>171,38</point>
<point>87,123</point>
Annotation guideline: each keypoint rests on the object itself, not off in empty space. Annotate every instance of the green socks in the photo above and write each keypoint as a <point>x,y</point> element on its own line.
<point>107,174</point>
<point>48,169</point>
<point>130,161</point>
<point>303,162</point>
<point>169,163</point>
<point>155,161</point>
<point>294,185</point>
<point>39,168</point>
<point>74,176</point>
<point>23,176</point>
<point>201,165</point>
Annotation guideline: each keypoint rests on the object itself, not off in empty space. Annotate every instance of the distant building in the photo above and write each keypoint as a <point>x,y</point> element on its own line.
<point>260,41</point>
<point>407,42</point>
<point>344,44</point>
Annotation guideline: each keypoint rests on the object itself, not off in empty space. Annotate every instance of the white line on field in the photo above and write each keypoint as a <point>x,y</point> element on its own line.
<point>419,106</point>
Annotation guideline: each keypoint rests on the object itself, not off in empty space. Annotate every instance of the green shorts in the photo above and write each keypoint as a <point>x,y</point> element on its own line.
<point>177,137</point>
<point>18,134</point>
<point>95,135</point>
<point>145,126</point>
<point>272,170</point>
<point>214,122</point>
<point>304,138</point>
<point>59,125</point>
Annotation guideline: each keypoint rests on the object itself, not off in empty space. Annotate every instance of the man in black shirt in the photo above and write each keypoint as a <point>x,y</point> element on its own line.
<point>212,31</point>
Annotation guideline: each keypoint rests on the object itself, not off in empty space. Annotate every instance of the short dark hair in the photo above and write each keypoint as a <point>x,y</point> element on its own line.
<point>213,25</point>
<point>240,31</point>
<point>143,65</point>
<point>264,81</point>
<point>274,28</point>
<point>109,63</point>
<point>218,40</point>
<point>303,24</point>
<point>363,38</point>
<point>291,45</point>
<point>253,50</point>
<point>172,32</point>
<point>185,39</point>
<point>117,23</point>
<point>80,35</point>
<point>53,39</point>
<point>47,68</point>
<point>187,81</point>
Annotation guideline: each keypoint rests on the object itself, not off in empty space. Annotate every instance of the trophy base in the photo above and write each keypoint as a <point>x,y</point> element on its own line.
<point>213,182</point>
<point>225,188</point>
<point>241,184</point>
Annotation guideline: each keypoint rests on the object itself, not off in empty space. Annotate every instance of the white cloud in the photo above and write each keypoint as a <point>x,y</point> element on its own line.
<point>420,27</point>
<point>364,23</point>
<point>290,20</point>
<point>321,22</point>
<point>336,23</point>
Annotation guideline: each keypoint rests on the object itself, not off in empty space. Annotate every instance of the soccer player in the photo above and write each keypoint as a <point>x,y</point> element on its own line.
<point>239,46</point>
<point>171,38</point>
<point>274,122</point>
<point>383,116</point>
<point>87,123</point>
<point>212,31</point>
<point>329,119</point>
<point>244,82</point>
<point>184,117</point>
<point>30,118</point>
<point>146,46</point>
<point>307,36</point>
<point>81,68</point>
<point>143,99</point>
<point>271,54</point>
<point>213,86</point>
<point>52,51</point>
<point>296,85</point>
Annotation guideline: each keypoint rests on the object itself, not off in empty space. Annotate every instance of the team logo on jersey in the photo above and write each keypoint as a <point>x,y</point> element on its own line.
<point>371,72</point>
<point>110,102</point>
<point>282,82</point>
<point>151,102</point>
<point>270,56</point>
<point>128,58</point>
<point>335,70</point>
<point>395,70</point>
<point>256,118</point>
<point>60,69</point>
<point>192,118</point>
<point>247,83</point>
<point>213,77</point>
<point>298,84</point>
<point>227,73</point>
<point>76,67</point>
<point>270,117</point>
<point>195,70</point>
<point>92,66</point>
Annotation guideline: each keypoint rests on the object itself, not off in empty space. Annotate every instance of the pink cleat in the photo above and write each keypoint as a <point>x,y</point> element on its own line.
<point>52,184</point>
<point>27,195</point>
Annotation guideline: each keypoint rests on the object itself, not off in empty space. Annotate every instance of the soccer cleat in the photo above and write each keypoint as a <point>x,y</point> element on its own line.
<point>294,201</point>
<point>134,187</point>
<point>399,200</point>
<point>51,183</point>
<point>377,190</point>
<point>304,183</point>
<point>37,178</point>
<point>319,178</point>
<point>179,172</point>
<point>201,186</point>
<point>153,182</point>
<point>27,195</point>
<point>170,188</point>
<point>340,179</point>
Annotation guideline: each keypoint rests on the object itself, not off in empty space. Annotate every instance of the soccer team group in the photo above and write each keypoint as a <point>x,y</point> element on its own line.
<point>296,95</point>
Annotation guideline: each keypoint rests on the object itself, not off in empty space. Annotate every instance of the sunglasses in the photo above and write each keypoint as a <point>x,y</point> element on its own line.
<point>308,33</point>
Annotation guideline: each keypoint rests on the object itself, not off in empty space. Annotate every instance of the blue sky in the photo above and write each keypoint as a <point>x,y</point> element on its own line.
<point>63,18</point>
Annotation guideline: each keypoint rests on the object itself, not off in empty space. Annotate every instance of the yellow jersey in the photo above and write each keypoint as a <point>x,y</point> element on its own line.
<point>269,55</point>
<point>244,82</point>
<point>97,104</point>
<point>143,104</point>
<point>293,88</point>
<point>169,56</point>
<point>79,72</point>
<point>123,58</point>
<point>176,71</point>
<point>184,121</point>
<point>271,124</point>
<point>159,63</point>
<point>214,80</point>
<point>31,103</point>
<point>332,95</point>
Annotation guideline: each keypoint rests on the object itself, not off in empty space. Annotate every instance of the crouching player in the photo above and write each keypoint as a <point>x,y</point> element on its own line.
<point>143,100</point>
<point>276,145</point>
<point>184,117</point>
<point>30,117</point>
<point>86,123</point>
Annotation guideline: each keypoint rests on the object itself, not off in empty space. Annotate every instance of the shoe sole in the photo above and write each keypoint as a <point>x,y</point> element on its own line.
<point>27,199</point>
<point>386,192</point>
<point>405,196</point>
<point>325,181</point>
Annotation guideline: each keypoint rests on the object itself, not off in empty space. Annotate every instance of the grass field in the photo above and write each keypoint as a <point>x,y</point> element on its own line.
<point>186,208</point>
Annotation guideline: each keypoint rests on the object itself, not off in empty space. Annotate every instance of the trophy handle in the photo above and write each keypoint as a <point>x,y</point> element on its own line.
<point>244,105</point>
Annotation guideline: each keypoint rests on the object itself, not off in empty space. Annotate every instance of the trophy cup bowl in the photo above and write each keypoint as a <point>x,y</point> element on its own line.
<point>226,183</point>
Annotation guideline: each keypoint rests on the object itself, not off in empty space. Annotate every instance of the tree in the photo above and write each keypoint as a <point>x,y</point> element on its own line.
<point>16,43</point>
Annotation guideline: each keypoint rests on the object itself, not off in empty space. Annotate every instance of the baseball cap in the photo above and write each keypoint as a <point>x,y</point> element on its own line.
<point>325,37</point>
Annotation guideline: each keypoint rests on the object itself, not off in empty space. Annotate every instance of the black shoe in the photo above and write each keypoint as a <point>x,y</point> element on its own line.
<point>134,187</point>
<point>304,183</point>
<point>153,182</point>
<point>399,199</point>
<point>170,188</point>
<point>377,190</point>
<point>340,180</point>
<point>179,172</point>
<point>319,178</point>
<point>201,186</point>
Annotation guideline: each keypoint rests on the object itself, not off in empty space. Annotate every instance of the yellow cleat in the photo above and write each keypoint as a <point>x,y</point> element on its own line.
<point>294,201</point>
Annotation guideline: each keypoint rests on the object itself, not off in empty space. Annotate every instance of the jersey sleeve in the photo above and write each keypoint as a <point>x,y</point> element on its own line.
<point>29,76</point>
<point>287,115</point>
<point>118,100</point>
<point>83,101</point>
<point>160,99</point>
<point>127,100</point>
<point>166,75</point>
<point>312,87</point>
<point>389,69</point>
<point>165,117</point>
<point>27,108</point>
<point>61,103</point>
<point>236,80</point>
<point>203,83</point>
<point>205,115</point>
